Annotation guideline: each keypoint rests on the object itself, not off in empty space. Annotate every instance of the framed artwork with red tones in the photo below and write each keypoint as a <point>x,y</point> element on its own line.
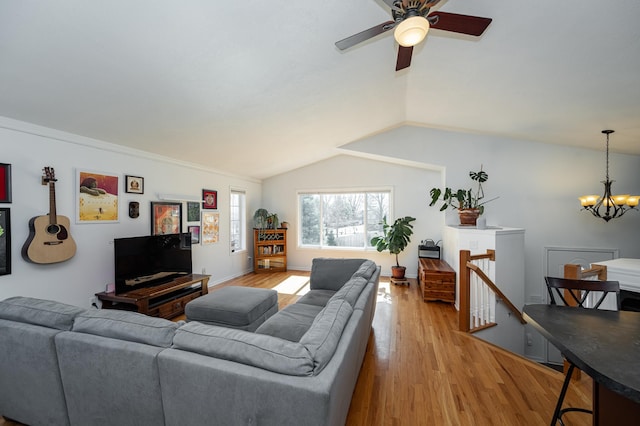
<point>96,197</point>
<point>166,218</point>
<point>209,199</point>
<point>5,183</point>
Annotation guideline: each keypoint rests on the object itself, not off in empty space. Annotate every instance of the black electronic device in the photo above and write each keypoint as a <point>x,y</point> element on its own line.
<point>429,249</point>
<point>151,260</point>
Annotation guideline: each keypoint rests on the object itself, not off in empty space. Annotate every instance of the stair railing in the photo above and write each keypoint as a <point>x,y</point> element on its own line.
<point>478,294</point>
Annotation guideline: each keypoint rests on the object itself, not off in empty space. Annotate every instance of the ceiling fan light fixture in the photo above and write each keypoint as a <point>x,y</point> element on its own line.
<point>411,31</point>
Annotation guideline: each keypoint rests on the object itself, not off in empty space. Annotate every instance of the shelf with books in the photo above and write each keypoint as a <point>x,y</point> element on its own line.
<point>269,250</point>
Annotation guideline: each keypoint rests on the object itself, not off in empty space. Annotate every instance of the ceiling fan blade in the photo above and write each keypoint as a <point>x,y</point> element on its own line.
<point>464,24</point>
<point>364,35</point>
<point>404,57</point>
<point>428,4</point>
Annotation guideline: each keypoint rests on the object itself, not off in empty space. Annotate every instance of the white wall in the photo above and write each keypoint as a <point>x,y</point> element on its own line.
<point>29,148</point>
<point>538,185</point>
<point>344,171</point>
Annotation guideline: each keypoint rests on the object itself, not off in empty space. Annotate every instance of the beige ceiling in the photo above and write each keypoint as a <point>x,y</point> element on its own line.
<point>256,88</point>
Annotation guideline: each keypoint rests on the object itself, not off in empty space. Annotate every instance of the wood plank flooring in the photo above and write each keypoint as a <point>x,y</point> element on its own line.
<point>419,370</point>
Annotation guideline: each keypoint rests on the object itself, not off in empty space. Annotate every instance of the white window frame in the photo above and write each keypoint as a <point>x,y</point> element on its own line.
<point>329,191</point>
<point>241,212</point>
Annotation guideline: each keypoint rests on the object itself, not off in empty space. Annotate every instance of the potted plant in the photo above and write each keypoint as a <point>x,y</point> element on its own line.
<point>395,238</point>
<point>469,204</point>
<point>260,218</point>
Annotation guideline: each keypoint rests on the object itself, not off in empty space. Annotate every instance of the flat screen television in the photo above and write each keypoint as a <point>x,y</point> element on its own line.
<point>151,260</point>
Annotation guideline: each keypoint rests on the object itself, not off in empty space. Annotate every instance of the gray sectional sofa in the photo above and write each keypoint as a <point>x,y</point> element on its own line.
<point>62,365</point>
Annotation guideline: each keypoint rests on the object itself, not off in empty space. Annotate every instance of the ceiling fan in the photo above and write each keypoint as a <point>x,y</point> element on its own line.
<point>411,20</point>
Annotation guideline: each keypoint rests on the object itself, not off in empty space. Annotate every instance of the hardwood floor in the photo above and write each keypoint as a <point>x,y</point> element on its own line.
<point>419,370</point>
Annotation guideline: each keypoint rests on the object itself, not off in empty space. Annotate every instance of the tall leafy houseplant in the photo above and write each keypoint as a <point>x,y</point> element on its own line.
<point>469,203</point>
<point>395,238</point>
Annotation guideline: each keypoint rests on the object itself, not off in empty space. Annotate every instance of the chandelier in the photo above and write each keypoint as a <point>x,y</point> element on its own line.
<point>608,206</point>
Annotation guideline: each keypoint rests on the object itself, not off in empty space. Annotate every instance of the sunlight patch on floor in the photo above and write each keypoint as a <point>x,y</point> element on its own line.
<point>295,284</point>
<point>384,293</point>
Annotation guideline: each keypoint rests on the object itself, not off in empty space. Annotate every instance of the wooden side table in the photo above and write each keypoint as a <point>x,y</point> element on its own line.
<point>437,280</point>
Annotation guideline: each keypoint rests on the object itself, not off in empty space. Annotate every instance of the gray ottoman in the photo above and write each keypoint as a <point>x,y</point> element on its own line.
<point>244,308</point>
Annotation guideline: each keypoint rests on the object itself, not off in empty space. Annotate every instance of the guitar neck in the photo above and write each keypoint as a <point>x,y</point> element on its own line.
<point>52,203</point>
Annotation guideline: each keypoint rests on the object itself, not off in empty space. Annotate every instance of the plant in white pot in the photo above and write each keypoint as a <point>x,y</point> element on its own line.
<point>395,238</point>
<point>469,204</point>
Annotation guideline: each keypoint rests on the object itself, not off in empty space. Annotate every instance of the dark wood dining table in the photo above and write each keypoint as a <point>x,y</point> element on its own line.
<point>603,344</point>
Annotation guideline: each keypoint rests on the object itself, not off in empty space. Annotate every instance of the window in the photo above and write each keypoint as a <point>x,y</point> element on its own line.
<point>348,219</point>
<point>238,225</point>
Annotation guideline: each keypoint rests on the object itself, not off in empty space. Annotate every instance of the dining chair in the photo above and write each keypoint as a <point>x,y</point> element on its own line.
<point>572,292</point>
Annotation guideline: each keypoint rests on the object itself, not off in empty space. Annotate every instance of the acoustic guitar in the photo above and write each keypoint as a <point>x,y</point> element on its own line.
<point>49,239</point>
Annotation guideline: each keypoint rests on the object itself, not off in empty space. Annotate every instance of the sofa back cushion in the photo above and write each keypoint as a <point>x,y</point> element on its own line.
<point>331,273</point>
<point>125,325</point>
<point>30,385</point>
<point>259,350</point>
<point>321,340</point>
<point>46,313</point>
<point>351,290</point>
<point>109,381</point>
<point>366,270</point>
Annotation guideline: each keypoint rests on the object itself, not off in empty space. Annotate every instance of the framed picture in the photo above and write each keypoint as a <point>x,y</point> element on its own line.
<point>96,197</point>
<point>134,184</point>
<point>195,234</point>
<point>166,218</point>
<point>209,199</point>
<point>210,227</point>
<point>5,241</point>
<point>193,211</point>
<point>5,183</point>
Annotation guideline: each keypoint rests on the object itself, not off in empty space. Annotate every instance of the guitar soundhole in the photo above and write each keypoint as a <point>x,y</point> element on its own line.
<point>58,230</point>
<point>53,229</point>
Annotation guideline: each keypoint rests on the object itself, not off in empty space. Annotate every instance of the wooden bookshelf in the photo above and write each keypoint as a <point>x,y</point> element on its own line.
<point>269,250</point>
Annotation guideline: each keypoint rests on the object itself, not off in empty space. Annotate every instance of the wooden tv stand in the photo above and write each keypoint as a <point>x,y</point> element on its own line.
<point>164,300</point>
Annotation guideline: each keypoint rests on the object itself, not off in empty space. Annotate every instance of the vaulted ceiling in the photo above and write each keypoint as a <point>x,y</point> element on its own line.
<point>256,88</point>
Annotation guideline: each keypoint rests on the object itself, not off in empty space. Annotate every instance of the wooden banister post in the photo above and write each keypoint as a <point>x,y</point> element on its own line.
<point>575,273</point>
<point>465,294</point>
<point>602,273</point>
<point>492,255</point>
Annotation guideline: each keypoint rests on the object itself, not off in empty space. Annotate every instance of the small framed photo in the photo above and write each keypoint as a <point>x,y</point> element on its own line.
<point>134,184</point>
<point>5,183</point>
<point>166,218</point>
<point>193,211</point>
<point>209,199</point>
<point>195,234</point>
<point>5,241</point>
